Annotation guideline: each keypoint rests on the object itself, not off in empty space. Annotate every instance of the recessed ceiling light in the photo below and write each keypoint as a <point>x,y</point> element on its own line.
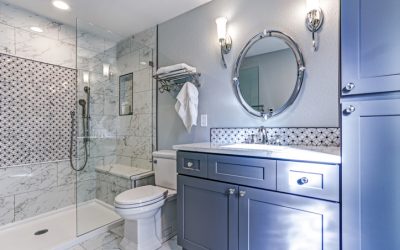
<point>36,29</point>
<point>61,5</point>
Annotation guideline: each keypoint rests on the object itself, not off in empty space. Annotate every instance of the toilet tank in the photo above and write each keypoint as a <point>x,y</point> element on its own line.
<point>165,168</point>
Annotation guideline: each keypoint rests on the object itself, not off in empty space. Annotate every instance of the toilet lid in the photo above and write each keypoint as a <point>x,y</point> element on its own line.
<point>140,195</point>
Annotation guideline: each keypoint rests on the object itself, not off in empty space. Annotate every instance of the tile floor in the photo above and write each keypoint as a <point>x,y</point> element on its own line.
<point>110,241</point>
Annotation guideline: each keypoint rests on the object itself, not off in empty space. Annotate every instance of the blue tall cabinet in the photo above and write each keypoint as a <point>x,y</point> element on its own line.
<point>370,85</point>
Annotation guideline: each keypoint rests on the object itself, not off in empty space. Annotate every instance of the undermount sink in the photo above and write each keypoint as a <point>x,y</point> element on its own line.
<point>266,147</point>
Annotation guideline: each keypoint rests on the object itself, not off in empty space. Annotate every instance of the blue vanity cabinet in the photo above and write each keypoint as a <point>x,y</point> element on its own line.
<point>370,50</point>
<point>246,203</point>
<point>208,214</point>
<point>371,174</point>
<point>272,220</point>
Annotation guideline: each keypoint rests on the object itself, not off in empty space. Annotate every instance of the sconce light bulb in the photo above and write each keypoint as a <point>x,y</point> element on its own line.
<point>221,27</point>
<point>106,69</point>
<point>85,77</point>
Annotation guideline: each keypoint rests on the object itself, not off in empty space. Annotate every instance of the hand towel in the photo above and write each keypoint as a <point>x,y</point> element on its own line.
<point>187,105</point>
<point>179,66</point>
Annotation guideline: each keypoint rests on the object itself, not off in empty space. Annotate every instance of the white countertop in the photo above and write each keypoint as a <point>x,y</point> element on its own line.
<point>320,154</point>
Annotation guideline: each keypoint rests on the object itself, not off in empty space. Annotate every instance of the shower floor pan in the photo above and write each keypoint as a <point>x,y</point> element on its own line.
<point>57,230</point>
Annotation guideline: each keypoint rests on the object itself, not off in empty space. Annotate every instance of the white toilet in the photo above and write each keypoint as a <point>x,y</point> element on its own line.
<point>150,211</point>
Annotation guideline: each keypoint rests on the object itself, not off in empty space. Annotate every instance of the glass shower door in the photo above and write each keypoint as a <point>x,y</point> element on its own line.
<point>115,81</point>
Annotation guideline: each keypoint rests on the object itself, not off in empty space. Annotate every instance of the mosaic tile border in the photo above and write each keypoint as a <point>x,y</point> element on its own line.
<point>323,136</point>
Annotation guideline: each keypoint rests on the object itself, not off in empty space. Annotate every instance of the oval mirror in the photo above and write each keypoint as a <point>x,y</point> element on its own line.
<point>268,74</point>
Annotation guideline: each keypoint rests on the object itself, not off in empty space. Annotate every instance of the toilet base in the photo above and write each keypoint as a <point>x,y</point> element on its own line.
<point>142,234</point>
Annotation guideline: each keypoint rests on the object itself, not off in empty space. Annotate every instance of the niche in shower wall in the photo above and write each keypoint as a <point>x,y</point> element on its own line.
<point>35,103</point>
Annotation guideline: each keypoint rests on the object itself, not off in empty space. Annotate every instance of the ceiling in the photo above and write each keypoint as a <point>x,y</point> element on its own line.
<point>123,17</point>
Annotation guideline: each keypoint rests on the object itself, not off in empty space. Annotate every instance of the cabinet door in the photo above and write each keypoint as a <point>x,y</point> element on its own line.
<point>207,214</point>
<point>371,171</point>
<point>272,220</point>
<point>370,46</point>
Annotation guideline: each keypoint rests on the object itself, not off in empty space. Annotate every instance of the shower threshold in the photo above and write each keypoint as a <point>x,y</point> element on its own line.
<point>57,229</point>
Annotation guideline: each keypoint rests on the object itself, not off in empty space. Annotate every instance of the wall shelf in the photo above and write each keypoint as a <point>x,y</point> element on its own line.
<point>174,80</point>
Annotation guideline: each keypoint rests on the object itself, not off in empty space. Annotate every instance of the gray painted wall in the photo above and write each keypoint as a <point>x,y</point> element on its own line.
<point>192,38</point>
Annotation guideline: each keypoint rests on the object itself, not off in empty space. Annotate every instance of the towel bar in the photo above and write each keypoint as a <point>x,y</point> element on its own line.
<point>174,80</point>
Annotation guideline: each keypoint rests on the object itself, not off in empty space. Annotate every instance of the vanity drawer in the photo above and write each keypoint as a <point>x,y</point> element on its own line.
<point>309,179</point>
<point>253,172</point>
<point>194,164</point>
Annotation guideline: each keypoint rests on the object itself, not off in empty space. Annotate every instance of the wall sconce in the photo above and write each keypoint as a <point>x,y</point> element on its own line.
<point>314,19</point>
<point>224,39</point>
<point>106,70</point>
<point>85,77</point>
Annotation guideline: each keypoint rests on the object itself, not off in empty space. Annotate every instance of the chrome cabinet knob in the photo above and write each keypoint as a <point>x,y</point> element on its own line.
<point>242,193</point>
<point>231,191</point>
<point>302,181</point>
<point>190,164</point>
<point>350,109</point>
<point>349,87</point>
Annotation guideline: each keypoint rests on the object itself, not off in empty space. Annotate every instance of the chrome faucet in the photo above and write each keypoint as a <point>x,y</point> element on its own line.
<point>262,132</point>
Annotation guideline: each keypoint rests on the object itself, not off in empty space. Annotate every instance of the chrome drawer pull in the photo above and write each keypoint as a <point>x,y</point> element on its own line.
<point>350,109</point>
<point>349,87</point>
<point>242,193</point>
<point>231,191</point>
<point>190,164</point>
<point>302,181</point>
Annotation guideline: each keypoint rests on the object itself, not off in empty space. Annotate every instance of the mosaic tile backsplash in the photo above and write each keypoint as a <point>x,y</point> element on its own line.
<point>35,104</point>
<point>286,136</point>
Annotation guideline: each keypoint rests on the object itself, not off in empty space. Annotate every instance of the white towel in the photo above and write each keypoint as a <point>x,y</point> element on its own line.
<point>187,104</point>
<point>179,66</point>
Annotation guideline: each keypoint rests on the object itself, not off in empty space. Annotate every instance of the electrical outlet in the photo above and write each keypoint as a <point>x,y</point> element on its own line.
<point>203,120</point>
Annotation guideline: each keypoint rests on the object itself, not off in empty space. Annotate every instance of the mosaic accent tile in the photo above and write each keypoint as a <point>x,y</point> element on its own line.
<point>286,136</point>
<point>35,104</point>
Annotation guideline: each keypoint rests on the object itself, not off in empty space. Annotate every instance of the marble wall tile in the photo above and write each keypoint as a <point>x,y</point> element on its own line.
<point>103,147</point>
<point>103,126</point>
<point>32,46</point>
<point>111,105</point>
<point>6,210</point>
<point>7,44</point>
<point>138,147</point>
<point>127,125</point>
<point>146,38</point>
<point>42,201</point>
<point>142,102</point>
<point>124,160</point>
<point>145,56</point>
<point>22,19</point>
<point>128,63</point>
<point>89,172</point>
<point>142,163</point>
<point>142,80</point>
<point>16,180</point>
<point>97,104</point>
<point>86,190</point>
<point>145,125</point>
<point>65,174</point>
<point>124,47</point>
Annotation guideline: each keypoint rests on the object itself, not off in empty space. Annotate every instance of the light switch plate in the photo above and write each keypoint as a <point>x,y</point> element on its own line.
<point>203,120</point>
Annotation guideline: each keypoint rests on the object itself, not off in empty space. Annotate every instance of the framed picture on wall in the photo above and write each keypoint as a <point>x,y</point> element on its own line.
<point>125,94</point>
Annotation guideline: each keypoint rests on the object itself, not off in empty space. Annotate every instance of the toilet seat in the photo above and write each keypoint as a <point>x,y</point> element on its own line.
<point>140,197</point>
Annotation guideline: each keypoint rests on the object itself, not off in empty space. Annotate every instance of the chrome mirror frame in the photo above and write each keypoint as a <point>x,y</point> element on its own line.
<point>300,72</point>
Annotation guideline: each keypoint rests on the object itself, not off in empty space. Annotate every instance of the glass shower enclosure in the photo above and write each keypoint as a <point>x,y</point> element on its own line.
<point>114,119</point>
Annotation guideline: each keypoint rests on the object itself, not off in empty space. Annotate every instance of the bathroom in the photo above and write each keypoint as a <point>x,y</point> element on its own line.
<point>199,124</point>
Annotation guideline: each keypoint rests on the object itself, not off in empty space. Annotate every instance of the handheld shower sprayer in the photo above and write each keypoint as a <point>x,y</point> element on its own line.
<point>85,126</point>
